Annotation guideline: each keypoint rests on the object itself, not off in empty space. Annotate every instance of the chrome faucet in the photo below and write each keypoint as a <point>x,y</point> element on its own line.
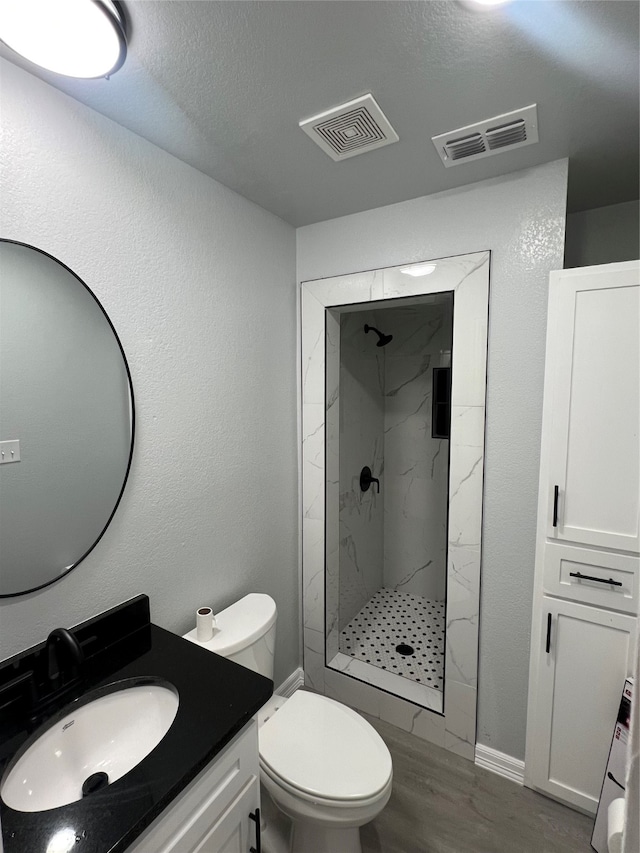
<point>58,640</point>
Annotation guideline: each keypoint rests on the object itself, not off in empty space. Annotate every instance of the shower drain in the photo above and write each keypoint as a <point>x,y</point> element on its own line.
<point>405,649</point>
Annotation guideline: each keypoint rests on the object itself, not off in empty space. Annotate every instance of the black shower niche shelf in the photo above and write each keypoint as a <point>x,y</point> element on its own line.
<point>441,403</point>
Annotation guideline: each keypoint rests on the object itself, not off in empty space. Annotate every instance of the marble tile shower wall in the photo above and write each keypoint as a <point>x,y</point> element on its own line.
<point>416,465</point>
<point>361,443</point>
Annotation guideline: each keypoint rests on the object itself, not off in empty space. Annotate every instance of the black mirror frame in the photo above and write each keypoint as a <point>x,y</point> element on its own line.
<point>133,421</point>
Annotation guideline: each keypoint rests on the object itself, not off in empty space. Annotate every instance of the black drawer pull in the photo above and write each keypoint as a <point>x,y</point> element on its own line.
<point>256,816</point>
<point>611,581</point>
<point>548,643</point>
<point>556,492</point>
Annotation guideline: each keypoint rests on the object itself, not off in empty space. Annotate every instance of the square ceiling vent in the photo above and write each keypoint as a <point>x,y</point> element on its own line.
<point>352,128</point>
<point>485,138</point>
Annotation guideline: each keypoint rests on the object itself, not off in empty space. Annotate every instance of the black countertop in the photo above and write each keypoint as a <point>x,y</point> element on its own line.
<point>216,699</point>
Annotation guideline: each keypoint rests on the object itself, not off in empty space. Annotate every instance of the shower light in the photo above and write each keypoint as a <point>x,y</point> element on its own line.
<point>488,2</point>
<point>419,269</point>
<point>77,38</point>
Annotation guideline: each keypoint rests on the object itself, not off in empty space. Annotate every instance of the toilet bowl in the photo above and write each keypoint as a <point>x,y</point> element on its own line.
<point>327,769</point>
<point>323,765</point>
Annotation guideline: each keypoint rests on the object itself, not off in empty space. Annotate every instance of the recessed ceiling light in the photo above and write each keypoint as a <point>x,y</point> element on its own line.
<point>77,38</point>
<point>419,269</point>
<point>487,4</point>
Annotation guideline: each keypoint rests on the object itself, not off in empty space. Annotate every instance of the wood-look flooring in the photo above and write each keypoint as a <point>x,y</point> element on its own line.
<point>445,804</point>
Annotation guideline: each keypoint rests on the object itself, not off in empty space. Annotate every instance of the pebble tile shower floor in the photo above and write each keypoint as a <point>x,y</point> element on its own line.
<point>391,619</point>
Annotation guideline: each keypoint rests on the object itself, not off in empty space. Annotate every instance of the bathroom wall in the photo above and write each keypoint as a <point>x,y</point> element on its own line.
<point>361,443</point>
<point>195,279</point>
<point>603,235</point>
<point>521,218</point>
<point>416,465</point>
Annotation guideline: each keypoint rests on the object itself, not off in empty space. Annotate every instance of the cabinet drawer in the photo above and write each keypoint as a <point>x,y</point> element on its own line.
<point>601,578</point>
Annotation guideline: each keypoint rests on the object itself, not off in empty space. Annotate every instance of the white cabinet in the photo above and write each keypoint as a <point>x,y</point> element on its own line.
<point>583,655</point>
<point>232,832</point>
<point>593,432</point>
<point>587,570</point>
<point>216,813</point>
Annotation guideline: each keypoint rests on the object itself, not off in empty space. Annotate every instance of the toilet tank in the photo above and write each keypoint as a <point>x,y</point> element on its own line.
<point>245,633</point>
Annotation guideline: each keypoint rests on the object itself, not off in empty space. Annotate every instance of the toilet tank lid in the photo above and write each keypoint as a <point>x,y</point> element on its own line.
<point>240,624</point>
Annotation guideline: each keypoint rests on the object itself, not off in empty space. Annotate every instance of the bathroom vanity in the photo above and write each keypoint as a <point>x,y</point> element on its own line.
<point>196,790</point>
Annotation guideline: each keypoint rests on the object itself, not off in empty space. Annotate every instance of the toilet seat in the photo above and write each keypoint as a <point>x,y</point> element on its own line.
<point>322,751</point>
<point>326,803</point>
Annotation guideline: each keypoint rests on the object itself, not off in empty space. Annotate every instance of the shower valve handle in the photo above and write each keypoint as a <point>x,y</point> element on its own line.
<point>366,479</point>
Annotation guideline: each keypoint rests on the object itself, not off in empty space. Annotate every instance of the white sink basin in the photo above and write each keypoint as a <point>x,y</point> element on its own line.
<point>110,735</point>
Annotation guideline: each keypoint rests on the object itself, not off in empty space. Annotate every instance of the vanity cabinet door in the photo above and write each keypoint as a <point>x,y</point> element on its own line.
<point>234,831</point>
<point>592,486</point>
<point>582,657</point>
<point>211,815</point>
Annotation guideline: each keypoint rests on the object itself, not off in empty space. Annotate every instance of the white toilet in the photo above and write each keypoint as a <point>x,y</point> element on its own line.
<point>323,765</point>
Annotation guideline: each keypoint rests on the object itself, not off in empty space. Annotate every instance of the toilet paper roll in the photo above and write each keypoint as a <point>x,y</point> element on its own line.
<point>205,622</point>
<point>615,825</point>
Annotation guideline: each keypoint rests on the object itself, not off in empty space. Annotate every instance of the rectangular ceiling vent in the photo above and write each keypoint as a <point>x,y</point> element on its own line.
<point>350,129</point>
<point>500,133</point>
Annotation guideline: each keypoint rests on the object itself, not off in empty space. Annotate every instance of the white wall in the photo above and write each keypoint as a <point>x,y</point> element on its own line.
<point>200,285</point>
<point>521,219</point>
<point>603,235</point>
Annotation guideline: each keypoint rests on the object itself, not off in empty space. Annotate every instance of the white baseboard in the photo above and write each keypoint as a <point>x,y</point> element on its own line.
<point>291,684</point>
<point>498,762</point>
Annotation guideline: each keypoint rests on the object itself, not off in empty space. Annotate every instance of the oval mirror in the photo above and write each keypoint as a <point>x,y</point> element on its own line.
<point>66,419</point>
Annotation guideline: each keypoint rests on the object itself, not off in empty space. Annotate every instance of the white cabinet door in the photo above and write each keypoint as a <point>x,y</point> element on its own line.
<point>593,361</point>
<point>579,667</point>
<point>233,832</point>
<point>212,812</point>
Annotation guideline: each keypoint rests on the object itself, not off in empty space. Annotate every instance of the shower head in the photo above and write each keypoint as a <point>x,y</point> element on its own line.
<point>383,340</point>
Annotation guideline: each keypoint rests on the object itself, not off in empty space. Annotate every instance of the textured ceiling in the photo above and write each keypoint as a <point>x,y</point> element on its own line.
<point>223,85</point>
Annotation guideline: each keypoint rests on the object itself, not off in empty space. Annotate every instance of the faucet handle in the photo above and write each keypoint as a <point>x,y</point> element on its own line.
<point>366,479</point>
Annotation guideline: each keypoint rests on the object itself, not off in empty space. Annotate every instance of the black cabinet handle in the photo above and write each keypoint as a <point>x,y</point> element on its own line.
<point>582,577</point>
<point>256,816</point>
<point>548,643</point>
<point>613,779</point>
<point>556,491</point>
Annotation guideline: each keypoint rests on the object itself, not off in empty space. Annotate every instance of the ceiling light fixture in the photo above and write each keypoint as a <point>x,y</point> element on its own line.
<point>484,4</point>
<point>419,269</point>
<point>77,38</point>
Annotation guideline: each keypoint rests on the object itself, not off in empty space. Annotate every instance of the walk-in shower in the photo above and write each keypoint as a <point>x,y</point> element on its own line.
<point>392,542</point>
<point>392,478</point>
